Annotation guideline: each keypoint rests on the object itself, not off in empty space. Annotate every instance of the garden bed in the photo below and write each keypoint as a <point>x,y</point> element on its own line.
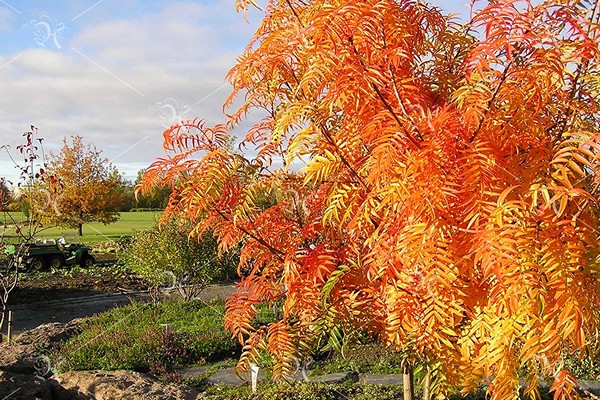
<point>67,283</point>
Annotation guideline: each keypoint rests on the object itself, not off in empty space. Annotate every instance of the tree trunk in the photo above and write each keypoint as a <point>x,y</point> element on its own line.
<point>409,393</point>
<point>427,385</point>
<point>80,228</point>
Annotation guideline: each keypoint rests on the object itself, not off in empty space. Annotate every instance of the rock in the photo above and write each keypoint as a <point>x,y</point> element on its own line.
<point>226,376</point>
<point>192,372</point>
<point>376,379</point>
<point>336,378</point>
<point>116,385</point>
<point>301,375</point>
<point>591,386</point>
<point>24,354</point>
<point>24,387</point>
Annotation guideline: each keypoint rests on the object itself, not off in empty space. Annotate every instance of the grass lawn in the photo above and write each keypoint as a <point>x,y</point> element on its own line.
<point>97,232</point>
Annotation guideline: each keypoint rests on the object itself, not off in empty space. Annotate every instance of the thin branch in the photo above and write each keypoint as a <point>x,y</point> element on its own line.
<point>295,13</point>
<point>490,102</point>
<point>401,104</point>
<point>276,252</point>
<point>343,159</point>
<point>386,104</point>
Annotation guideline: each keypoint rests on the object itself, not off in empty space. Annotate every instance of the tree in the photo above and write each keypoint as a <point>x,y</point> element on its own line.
<point>157,199</point>
<point>88,187</point>
<point>14,233</point>
<point>448,205</point>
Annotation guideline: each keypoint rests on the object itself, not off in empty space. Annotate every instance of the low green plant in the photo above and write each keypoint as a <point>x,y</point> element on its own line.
<point>369,357</point>
<point>583,367</point>
<point>96,270</point>
<point>149,338</point>
<point>167,255</point>
<point>303,391</point>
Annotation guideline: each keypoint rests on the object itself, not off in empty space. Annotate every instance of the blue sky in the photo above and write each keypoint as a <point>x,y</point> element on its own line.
<point>117,71</point>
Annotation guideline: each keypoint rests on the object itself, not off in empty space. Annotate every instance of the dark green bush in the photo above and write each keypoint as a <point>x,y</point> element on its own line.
<point>136,338</point>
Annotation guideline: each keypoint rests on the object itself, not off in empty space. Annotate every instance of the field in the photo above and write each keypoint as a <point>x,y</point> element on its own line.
<point>97,232</point>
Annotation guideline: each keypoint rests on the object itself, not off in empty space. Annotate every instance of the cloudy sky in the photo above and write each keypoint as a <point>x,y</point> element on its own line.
<point>117,71</point>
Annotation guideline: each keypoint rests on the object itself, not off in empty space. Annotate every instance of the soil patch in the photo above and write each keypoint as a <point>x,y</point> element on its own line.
<point>65,284</point>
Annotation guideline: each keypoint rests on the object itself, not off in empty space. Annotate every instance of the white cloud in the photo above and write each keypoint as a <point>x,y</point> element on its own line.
<point>6,18</point>
<point>106,80</point>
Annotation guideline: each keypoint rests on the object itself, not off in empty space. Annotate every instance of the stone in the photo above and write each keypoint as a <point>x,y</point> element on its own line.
<point>377,379</point>
<point>44,336</point>
<point>24,354</point>
<point>227,376</point>
<point>112,385</point>
<point>192,372</point>
<point>591,386</point>
<point>336,378</point>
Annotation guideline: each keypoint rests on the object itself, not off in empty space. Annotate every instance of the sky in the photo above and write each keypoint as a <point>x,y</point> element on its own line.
<point>117,72</point>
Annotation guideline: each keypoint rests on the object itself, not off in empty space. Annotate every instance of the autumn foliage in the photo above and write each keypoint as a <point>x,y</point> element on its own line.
<point>448,197</point>
<point>82,187</point>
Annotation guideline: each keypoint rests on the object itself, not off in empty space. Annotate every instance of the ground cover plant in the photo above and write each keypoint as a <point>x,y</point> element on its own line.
<point>448,201</point>
<point>149,338</point>
<point>304,391</point>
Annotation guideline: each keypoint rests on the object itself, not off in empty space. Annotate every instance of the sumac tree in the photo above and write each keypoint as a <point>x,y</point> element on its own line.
<point>448,201</point>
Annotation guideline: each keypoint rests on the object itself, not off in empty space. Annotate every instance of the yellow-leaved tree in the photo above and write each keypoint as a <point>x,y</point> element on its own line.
<point>448,199</point>
<point>80,187</point>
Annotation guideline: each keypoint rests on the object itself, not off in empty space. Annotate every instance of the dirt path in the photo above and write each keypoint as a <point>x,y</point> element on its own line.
<point>27,316</point>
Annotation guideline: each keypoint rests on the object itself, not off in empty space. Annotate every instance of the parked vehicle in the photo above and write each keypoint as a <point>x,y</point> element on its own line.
<point>44,254</point>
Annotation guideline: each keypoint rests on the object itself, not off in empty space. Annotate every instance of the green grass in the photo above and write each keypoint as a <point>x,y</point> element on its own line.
<point>135,338</point>
<point>96,232</point>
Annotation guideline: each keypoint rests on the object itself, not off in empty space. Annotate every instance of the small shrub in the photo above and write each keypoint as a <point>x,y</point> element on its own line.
<point>167,255</point>
<point>136,338</point>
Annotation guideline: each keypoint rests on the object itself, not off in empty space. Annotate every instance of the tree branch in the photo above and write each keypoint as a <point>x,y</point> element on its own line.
<point>277,253</point>
<point>491,101</point>
<point>386,104</point>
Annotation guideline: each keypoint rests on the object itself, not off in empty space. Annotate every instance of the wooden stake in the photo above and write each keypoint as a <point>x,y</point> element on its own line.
<point>409,393</point>
<point>427,385</point>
